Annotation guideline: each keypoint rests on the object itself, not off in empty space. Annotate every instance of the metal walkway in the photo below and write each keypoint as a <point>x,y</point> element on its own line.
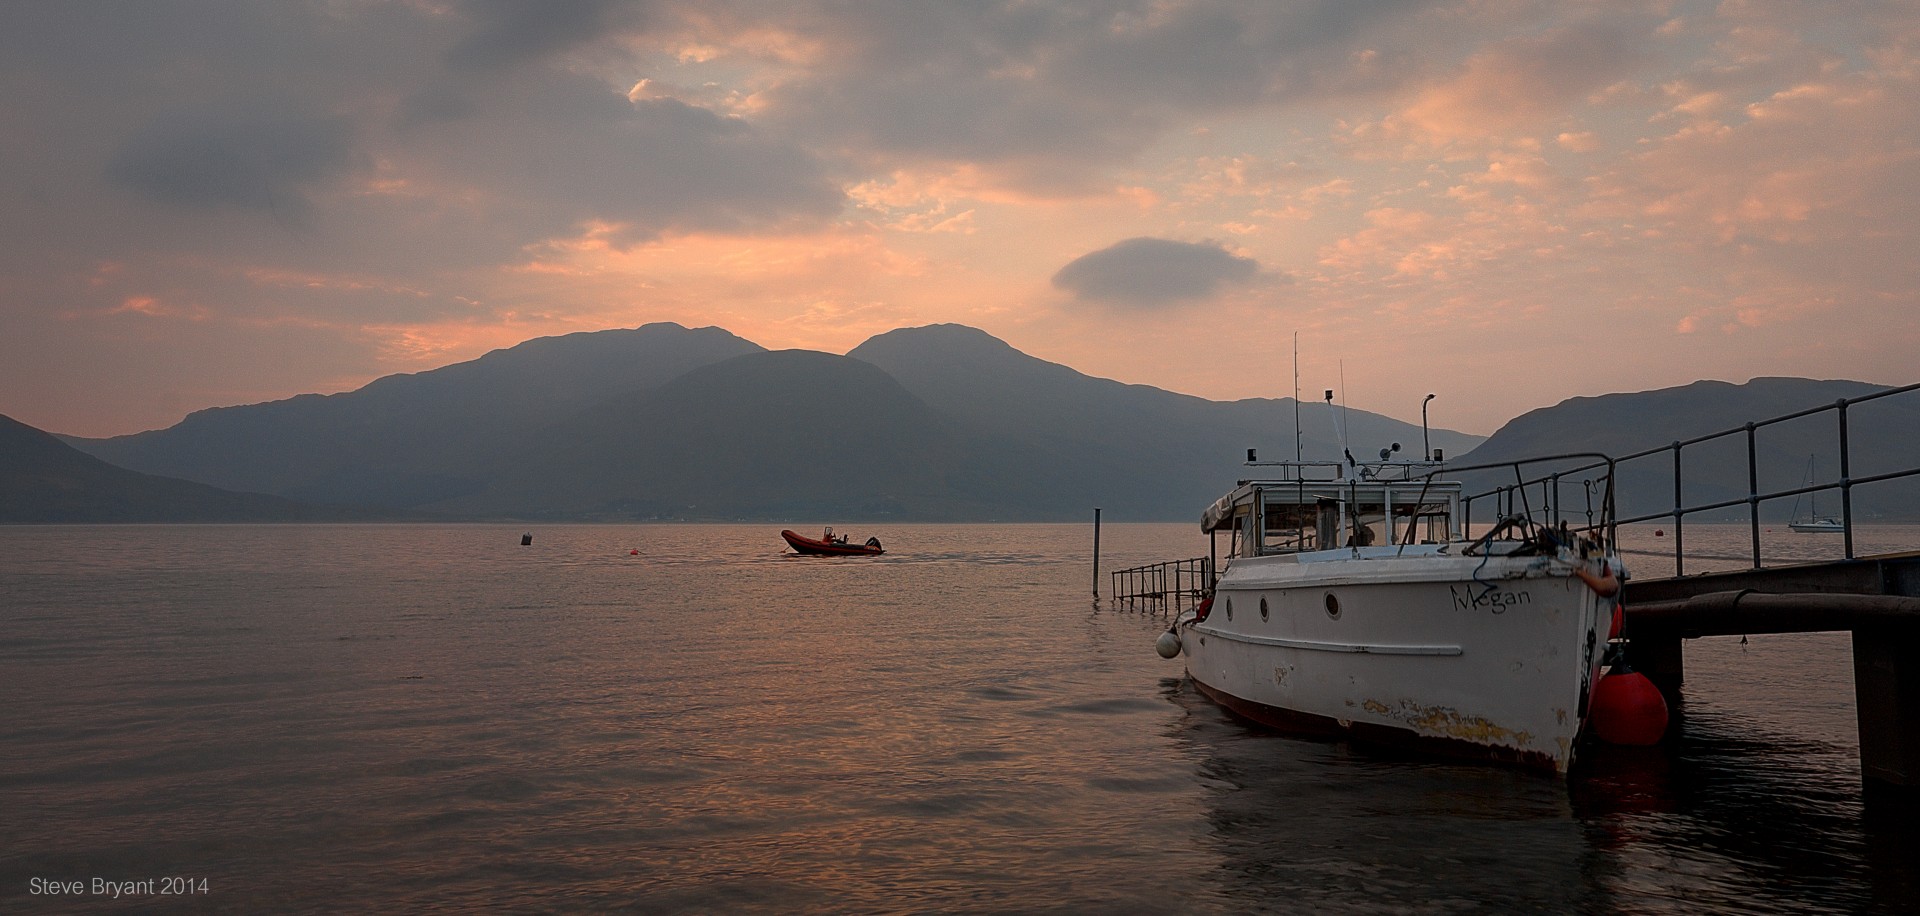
<point>1875,598</point>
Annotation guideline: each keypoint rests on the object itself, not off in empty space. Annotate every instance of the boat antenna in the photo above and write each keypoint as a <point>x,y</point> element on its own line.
<point>1339,432</point>
<point>1296,397</point>
<point>1345,421</point>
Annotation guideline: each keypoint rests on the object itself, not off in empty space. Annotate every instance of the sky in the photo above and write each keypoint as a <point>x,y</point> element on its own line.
<point>1504,203</point>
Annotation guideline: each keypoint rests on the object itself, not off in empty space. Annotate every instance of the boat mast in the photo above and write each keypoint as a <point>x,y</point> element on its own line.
<point>1296,398</point>
<point>1339,430</point>
<point>1340,421</point>
<point>1813,497</point>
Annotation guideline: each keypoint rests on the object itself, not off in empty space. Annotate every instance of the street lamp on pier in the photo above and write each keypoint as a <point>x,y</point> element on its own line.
<point>1426,447</point>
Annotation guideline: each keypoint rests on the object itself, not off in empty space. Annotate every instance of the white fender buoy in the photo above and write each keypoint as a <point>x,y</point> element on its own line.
<point>1168,645</point>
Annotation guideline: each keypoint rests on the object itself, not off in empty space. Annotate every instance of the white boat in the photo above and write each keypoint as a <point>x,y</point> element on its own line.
<point>1813,522</point>
<point>1354,604</point>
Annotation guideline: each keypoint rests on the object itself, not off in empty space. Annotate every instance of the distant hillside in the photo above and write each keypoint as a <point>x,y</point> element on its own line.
<point>784,434</point>
<point>1881,436</point>
<point>414,440</point>
<point>43,480</point>
<point>1166,455</point>
<point>944,422</point>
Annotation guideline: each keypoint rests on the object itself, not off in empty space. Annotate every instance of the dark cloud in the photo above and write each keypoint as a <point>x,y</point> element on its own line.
<point>557,149</point>
<point>1150,271</point>
<point>402,139</point>
<point>248,157</point>
<point>1047,95</point>
<point>511,32</point>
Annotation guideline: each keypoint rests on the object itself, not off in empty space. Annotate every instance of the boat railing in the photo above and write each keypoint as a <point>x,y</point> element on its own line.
<point>1178,583</point>
<point>1754,497</point>
<point>1341,472</point>
<point>1578,494</point>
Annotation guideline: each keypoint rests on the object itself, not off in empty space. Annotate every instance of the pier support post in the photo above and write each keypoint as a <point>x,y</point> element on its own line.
<point>1096,553</point>
<point>1658,657</point>
<point>1886,684</point>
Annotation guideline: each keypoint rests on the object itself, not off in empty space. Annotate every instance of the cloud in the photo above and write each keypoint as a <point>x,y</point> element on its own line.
<point>1521,83</point>
<point>1152,272</point>
<point>251,156</point>
<point>1047,96</point>
<point>510,32</point>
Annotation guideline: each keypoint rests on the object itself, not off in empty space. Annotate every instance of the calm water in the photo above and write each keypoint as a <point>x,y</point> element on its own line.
<point>393,718</point>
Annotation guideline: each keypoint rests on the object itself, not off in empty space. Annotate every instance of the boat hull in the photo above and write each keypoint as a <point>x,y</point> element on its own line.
<point>1492,660</point>
<point>816,547</point>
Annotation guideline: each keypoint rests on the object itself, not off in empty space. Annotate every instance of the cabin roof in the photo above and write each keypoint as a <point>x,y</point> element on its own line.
<point>1308,492</point>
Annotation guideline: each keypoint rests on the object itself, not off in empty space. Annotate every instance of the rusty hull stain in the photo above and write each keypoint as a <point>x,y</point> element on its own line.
<point>1445,720</point>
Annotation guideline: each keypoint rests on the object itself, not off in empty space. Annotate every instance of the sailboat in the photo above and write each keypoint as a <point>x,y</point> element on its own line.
<point>1813,522</point>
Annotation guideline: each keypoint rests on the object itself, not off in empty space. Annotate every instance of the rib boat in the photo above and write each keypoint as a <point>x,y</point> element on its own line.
<point>1358,600</point>
<point>829,545</point>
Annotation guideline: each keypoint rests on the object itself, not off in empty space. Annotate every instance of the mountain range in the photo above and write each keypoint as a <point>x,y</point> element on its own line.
<point>938,423</point>
<point>44,480</point>
<point>1786,455</point>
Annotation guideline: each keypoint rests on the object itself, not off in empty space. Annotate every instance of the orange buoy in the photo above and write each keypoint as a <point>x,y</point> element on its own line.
<point>1628,709</point>
<point>1659,532</point>
<point>634,552</point>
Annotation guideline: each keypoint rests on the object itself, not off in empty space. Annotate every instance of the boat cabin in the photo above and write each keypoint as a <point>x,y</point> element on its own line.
<point>1297,513</point>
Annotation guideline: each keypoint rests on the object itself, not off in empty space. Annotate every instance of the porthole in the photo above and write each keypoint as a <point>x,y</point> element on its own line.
<point>1229,608</point>
<point>1263,610</point>
<point>1333,606</point>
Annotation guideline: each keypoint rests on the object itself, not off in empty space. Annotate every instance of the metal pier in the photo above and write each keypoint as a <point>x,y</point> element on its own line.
<point>1173,584</point>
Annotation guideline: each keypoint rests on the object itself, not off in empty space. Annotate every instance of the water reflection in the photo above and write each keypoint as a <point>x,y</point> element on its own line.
<point>1729,806</point>
<point>1725,817</point>
<point>1301,824</point>
<point>380,718</point>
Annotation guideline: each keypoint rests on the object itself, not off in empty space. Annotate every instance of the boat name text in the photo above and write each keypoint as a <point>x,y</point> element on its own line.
<point>1495,599</point>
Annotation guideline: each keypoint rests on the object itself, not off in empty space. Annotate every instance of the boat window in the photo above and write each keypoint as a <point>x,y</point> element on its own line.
<point>1328,522</point>
<point>1431,527</point>
<point>1369,526</point>
<point>1239,528</point>
<point>1290,529</point>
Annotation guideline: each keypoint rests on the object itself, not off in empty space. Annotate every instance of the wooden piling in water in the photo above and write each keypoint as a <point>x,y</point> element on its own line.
<point>1096,553</point>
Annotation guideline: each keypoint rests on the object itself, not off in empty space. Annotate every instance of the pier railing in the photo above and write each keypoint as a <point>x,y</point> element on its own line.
<point>1176,582</point>
<point>1545,494</point>
<point>1754,497</point>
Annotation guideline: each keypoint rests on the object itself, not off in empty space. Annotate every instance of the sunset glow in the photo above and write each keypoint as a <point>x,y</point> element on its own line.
<point>1507,204</point>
